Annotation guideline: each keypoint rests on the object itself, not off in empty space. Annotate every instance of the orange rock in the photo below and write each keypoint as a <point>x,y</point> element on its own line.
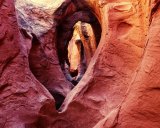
<point>120,88</point>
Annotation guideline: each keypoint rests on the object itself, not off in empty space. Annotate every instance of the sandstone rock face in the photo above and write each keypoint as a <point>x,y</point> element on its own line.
<point>104,85</point>
<point>120,88</point>
<point>45,66</point>
<point>74,51</point>
<point>88,39</point>
<point>23,99</point>
<point>37,19</point>
<point>81,49</point>
<point>36,16</point>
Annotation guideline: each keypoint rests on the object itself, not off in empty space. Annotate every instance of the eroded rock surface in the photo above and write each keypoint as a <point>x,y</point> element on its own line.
<point>120,88</point>
<point>36,18</point>
<point>23,99</point>
<point>104,85</point>
<point>81,49</point>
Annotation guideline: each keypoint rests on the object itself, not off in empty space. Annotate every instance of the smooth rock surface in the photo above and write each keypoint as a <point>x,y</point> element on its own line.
<point>120,88</point>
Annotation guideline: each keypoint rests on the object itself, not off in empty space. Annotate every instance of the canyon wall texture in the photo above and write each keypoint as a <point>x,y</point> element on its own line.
<point>23,98</point>
<point>120,88</point>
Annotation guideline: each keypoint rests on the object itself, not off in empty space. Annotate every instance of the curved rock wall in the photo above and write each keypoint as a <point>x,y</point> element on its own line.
<point>23,99</point>
<point>37,20</point>
<point>103,87</point>
<point>120,88</point>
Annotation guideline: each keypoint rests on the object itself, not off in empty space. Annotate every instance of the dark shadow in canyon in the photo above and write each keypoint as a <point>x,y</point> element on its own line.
<point>78,37</point>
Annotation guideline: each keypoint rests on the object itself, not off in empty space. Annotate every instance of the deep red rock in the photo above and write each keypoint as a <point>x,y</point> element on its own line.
<point>23,99</point>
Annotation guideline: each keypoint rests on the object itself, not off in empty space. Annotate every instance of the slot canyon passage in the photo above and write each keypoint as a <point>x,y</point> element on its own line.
<point>79,63</point>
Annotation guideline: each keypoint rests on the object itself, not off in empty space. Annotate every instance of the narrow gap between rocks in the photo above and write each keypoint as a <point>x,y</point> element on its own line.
<point>76,46</point>
<point>76,34</point>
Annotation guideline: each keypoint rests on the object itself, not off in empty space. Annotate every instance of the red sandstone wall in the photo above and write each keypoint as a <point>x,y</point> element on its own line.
<point>23,99</point>
<point>120,88</point>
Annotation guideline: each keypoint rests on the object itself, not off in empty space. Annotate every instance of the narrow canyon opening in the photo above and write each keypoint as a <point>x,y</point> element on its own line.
<point>78,36</point>
<point>77,45</point>
<point>60,41</point>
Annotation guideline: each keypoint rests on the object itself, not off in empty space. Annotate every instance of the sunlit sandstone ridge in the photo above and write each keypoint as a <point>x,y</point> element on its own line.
<point>120,88</point>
